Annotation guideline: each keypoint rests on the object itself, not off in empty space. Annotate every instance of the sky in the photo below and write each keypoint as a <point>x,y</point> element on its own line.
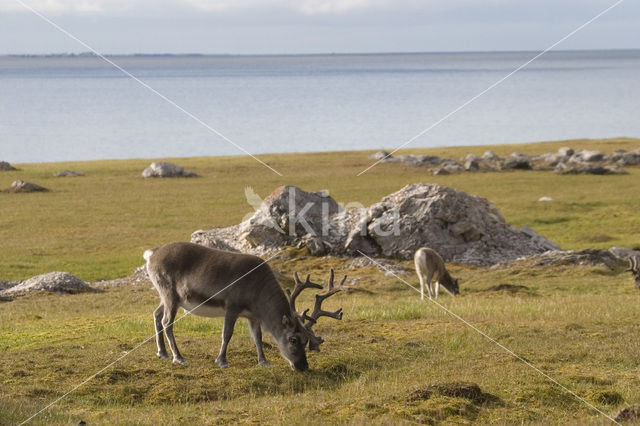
<point>314,26</point>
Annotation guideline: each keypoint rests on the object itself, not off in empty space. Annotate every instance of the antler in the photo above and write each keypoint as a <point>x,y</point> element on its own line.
<point>298,289</point>
<point>317,309</point>
<point>308,321</point>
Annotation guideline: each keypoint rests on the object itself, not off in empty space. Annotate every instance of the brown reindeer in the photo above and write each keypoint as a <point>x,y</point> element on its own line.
<point>212,283</point>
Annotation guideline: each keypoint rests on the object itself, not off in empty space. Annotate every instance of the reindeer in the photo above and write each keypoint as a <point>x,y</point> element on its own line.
<point>212,283</point>
<point>428,263</point>
<point>634,269</point>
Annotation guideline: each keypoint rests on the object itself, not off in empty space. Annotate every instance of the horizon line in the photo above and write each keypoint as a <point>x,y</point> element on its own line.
<point>195,54</point>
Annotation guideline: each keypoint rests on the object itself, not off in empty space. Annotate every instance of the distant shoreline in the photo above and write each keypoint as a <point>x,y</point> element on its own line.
<point>465,149</point>
<point>250,55</point>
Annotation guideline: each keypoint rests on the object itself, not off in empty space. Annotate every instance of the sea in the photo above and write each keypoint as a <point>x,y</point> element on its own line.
<point>80,107</point>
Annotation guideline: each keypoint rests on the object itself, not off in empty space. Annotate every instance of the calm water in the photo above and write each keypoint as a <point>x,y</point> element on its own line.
<point>79,108</point>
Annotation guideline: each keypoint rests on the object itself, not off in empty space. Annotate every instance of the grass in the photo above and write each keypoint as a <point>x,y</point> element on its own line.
<point>392,360</point>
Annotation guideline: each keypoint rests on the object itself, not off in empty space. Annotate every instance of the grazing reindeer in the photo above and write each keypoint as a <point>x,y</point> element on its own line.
<point>634,269</point>
<point>428,263</point>
<point>213,283</point>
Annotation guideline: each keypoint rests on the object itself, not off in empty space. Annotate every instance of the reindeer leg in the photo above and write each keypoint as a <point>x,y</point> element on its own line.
<point>421,286</point>
<point>256,333</point>
<point>429,278</point>
<point>436,286</point>
<point>230,318</point>
<point>157,320</point>
<point>169,316</point>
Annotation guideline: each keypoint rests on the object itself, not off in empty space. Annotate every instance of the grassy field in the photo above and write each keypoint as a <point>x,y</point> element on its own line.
<point>393,359</point>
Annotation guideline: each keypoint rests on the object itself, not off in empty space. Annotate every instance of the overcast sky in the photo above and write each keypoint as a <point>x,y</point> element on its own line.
<point>314,26</point>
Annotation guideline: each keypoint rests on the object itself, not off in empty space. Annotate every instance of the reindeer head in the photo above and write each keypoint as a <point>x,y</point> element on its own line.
<point>450,284</point>
<point>634,269</point>
<point>302,332</point>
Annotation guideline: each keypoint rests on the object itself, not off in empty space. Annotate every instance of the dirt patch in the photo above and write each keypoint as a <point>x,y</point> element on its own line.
<point>608,397</point>
<point>510,288</point>
<point>628,414</point>
<point>470,391</point>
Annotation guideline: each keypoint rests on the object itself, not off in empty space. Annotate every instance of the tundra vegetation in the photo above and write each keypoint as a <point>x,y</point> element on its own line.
<point>392,359</point>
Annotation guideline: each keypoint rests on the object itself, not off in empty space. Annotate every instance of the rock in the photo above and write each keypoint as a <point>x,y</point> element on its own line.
<point>381,155</point>
<point>517,161</point>
<point>20,186</point>
<point>461,227</point>
<point>583,168</point>
<point>586,156</point>
<point>627,158</point>
<point>548,161</point>
<point>442,171</point>
<point>6,166</point>
<point>471,165</point>
<point>418,160</point>
<point>588,257</point>
<point>566,151</point>
<point>490,156</point>
<point>163,169</point>
<point>57,282</point>
<point>624,253</point>
<point>4,285</point>
<point>68,173</point>
<point>448,169</point>
<point>545,199</point>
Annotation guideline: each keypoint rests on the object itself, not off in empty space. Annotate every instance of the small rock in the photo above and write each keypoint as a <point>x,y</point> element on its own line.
<point>490,156</point>
<point>381,155</point>
<point>57,282</point>
<point>517,161</point>
<point>587,156</point>
<point>6,166</point>
<point>545,199</point>
<point>163,169</point>
<point>20,186</point>
<point>471,165</point>
<point>566,151</point>
<point>69,173</point>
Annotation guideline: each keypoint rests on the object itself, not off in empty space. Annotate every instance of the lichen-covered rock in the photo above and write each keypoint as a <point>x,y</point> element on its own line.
<point>588,257</point>
<point>20,186</point>
<point>163,169</point>
<point>461,227</point>
<point>57,282</point>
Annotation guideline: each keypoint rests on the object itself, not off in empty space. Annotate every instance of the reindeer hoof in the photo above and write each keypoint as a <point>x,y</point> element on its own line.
<point>163,355</point>
<point>180,361</point>
<point>264,363</point>
<point>222,363</point>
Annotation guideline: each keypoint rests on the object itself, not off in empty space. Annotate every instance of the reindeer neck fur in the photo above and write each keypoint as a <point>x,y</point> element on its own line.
<point>275,307</point>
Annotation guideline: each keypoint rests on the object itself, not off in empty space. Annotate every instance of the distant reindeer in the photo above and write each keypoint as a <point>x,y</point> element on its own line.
<point>634,269</point>
<point>429,263</point>
<point>213,283</point>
